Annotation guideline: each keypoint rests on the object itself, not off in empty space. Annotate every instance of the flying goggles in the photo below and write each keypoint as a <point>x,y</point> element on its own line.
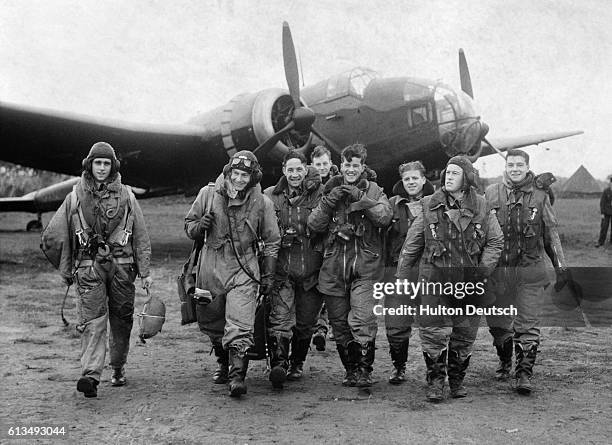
<point>237,160</point>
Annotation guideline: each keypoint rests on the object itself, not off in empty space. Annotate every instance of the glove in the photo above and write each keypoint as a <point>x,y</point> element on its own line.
<point>563,276</point>
<point>207,221</point>
<point>267,275</point>
<point>336,194</point>
<point>68,281</point>
<point>353,193</point>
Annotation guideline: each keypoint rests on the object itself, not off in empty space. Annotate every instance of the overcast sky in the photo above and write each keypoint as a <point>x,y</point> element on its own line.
<point>536,66</point>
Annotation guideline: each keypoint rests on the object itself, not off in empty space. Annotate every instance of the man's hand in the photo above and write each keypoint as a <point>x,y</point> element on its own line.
<point>353,193</point>
<point>147,282</point>
<point>336,194</point>
<point>67,281</point>
<point>207,221</point>
<point>563,276</point>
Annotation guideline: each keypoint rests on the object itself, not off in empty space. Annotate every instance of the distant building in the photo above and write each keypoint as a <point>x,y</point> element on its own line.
<point>581,185</point>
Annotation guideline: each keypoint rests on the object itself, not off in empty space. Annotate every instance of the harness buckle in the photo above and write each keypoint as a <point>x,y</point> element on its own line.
<point>125,237</point>
<point>81,237</point>
<point>434,232</point>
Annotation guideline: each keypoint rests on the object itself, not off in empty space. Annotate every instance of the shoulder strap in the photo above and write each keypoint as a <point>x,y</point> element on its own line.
<point>81,228</point>
<point>123,231</point>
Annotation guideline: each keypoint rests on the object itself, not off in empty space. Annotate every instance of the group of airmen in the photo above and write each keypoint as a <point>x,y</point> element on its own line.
<point>320,238</point>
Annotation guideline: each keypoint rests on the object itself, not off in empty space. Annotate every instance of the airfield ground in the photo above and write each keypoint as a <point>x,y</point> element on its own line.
<point>170,398</point>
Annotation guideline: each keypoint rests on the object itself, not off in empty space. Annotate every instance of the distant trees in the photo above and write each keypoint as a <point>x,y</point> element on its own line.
<point>16,180</point>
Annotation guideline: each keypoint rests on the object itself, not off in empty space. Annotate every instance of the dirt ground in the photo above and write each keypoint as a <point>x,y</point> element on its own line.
<point>170,398</point>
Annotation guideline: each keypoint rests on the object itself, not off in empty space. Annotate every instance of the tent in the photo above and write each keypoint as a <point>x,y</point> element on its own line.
<point>581,184</point>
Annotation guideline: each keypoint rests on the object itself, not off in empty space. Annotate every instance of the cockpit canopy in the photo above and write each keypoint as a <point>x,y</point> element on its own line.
<point>353,83</point>
<point>452,106</point>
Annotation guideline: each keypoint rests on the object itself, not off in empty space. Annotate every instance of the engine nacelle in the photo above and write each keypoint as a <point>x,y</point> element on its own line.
<point>249,119</point>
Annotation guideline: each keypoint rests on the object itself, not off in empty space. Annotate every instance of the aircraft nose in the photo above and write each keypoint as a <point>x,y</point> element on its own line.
<point>465,138</point>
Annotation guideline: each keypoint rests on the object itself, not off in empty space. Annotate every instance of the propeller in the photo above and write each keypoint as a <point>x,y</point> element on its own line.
<point>464,74</point>
<point>302,118</point>
<point>466,87</point>
<point>291,68</point>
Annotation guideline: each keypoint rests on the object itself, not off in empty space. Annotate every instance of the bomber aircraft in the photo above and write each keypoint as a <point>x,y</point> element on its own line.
<point>399,119</point>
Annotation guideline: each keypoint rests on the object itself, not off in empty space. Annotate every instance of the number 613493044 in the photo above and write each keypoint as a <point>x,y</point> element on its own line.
<point>36,431</point>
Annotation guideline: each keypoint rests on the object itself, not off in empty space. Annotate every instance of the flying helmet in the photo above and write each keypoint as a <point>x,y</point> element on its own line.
<point>470,174</point>
<point>246,161</point>
<point>152,318</point>
<point>102,150</point>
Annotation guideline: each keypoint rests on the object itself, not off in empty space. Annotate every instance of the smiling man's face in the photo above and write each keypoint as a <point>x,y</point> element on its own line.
<point>516,168</point>
<point>352,170</point>
<point>240,179</point>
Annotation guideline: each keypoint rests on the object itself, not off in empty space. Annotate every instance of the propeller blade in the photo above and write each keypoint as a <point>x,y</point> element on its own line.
<point>464,74</point>
<point>272,140</point>
<point>291,67</point>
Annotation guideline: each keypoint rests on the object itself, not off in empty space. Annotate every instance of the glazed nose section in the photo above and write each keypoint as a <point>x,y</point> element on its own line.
<point>460,128</point>
<point>464,138</point>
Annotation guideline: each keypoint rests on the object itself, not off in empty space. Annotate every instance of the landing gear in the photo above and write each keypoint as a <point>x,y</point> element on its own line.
<point>35,225</point>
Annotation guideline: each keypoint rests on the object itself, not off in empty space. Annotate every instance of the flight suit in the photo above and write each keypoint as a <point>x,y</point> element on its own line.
<point>399,327</point>
<point>296,302</point>
<point>229,318</point>
<point>528,221</point>
<point>455,243</point>
<point>353,260</point>
<point>74,240</point>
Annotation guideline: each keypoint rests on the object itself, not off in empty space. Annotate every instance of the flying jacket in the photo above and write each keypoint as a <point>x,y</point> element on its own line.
<point>453,244</point>
<point>527,220</point>
<point>302,259</point>
<point>405,210</point>
<point>103,211</point>
<point>362,255</point>
<point>251,217</point>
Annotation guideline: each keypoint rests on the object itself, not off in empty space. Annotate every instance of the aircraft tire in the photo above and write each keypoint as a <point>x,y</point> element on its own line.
<point>34,226</point>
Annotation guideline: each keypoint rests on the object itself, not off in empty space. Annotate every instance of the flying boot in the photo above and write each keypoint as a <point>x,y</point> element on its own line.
<point>118,377</point>
<point>88,386</point>
<point>504,352</point>
<point>366,360</point>
<point>299,351</point>
<point>220,374</point>
<point>239,363</point>
<point>349,356</point>
<point>399,356</point>
<point>436,375</point>
<point>523,372</point>
<point>279,352</point>
<point>456,373</point>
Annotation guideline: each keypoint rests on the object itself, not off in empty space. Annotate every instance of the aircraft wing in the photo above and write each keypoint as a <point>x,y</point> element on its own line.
<point>505,144</point>
<point>42,200</point>
<point>24,203</point>
<point>151,155</point>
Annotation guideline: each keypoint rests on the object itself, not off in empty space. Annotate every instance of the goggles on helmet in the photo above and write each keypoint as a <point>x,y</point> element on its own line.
<point>237,160</point>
